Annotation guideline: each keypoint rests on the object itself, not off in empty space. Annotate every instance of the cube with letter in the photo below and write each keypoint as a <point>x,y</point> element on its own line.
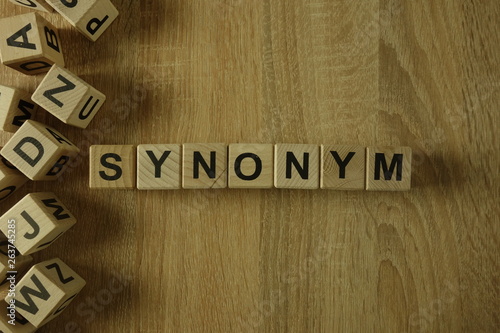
<point>22,325</point>
<point>40,5</point>
<point>10,178</point>
<point>112,167</point>
<point>16,107</point>
<point>204,166</point>
<point>296,166</point>
<point>343,167</point>
<point>159,167</point>
<point>251,166</point>
<point>12,263</point>
<point>388,168</point>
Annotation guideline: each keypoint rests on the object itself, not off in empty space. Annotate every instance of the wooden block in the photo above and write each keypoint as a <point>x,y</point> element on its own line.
<point>90,17</point>
<point>159,167</point>
<point>204,166</point>
<point>30,44</point>
<point>16,107</point>
<point>39,151</point>
<point>10,179</point>
<point>112,167</point>
<point>40,219</point>
<point>251,166</point>
<point>12,263</point>
<point>46,290</point>
<point>69,98</point>
<point>40,5</point>
<point>343,167</point>
<point>296,166</point>
<point>7,324</point>
<point>388,168</point>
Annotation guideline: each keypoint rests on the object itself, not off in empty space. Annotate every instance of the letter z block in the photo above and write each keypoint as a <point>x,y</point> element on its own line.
<point>22,325</point>
<point>296,166</point>
<point>40,5</point>
<point>388,168</point>
<point>204,166</point>
<point>159,167</point>
<point>251,166</point>
<point>30,44</point>
<point>16,107</point>
<point>40,218</point>
<point>46,290</point>
<point>343,167</point>
<point>69,98</point>
<point>112,167</point>
<point>39,151</point>
<point>10,178</point>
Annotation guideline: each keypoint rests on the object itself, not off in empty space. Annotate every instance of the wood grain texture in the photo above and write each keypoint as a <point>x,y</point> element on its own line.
<point>423,74</point>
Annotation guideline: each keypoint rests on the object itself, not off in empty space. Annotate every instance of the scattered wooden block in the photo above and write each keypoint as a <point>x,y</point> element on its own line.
<point>16,107</point>
<point>112,167</point>
<point>12,263</point>
<point>30,44</point>
<point>39,151</point>
<point>40,219</point>
<point>204,166</point>
<point>159,167</point>
<point>388,168</point>
<point>69,98</point>
<point>90,17</point>
<point>251,166</point>
<point>22,325</point>
<point>45,291</point>
<point>40,5</point>
<point>10,179</point>
<point>343,167</point>
<point>296,166</point>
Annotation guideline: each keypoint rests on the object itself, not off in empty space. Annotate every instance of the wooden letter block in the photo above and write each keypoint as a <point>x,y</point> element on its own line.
<point>251,166</point>
<point>90,17</point>
<point>30,44</point>
<point>45,291</point>
<point>12,263</point>
<point>343,167</point>
<point>112,167</point>
<point>388,168</point>
<point>39,151</point>
<point>40,219</point>
<point>204,166</point>
<point>10,178</point>
<point>67,97</point>
<point>22,325</point>
<point>159,167</point>
<point>16,107</point>
<point>40,5</point>
<point>296,166</point>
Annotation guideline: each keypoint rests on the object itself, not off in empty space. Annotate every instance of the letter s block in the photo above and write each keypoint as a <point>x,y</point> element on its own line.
<point>46,290</point>
<point>39,151</point>
<point>40,5</point>
<point>388,168</point>
<point>40,218</point>
<point>113,167</point>
<point>69,98</point>
<point>30,44</point>
<point>16,107</point>
<point>10,179</point>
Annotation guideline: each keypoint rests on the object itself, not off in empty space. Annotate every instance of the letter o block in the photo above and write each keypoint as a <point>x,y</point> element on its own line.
<point>251,166</point>
<point>30,44</point>
<point>40,5</point>
<point>16,107</point>
<point>39,151</point>
<point>10,179</point>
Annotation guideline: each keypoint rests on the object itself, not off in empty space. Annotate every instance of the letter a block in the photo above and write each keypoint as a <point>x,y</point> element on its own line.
<point>296,166</point>
<point>388,168</point>
<point>159,167</point>
<point>251,166</point>
<point>46,290</point>
<point>69,98</point>
<point>30,44</point>
<point>343,167</point>
<point>10,179</point>
<point>22,325</point>
<point>39,151</point>
<point>112,167</point>
<point>16,107</point>
<point>90,17</point>
<point>40,218</point>
<point>204,166</point>
<point>40,5</point>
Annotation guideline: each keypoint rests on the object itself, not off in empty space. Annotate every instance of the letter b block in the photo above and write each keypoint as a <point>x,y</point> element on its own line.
<point>112,167</point>
<point>388,168</point>
<point>39,151</point>
<point>16,107</point>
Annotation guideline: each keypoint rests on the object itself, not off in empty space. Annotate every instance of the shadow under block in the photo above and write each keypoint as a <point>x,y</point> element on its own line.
<point>296,166</point>
<point>68,98</point>
<point>251,166</point>
<point>204,166</point>
<point>30,44</point>
<point>10,179</point>
<point>40,5</point>
<point>159,167</point>
<point>343,167</point>
<point>46,290</point>
<point>90,17</point>
<point>22,325</point>
<point>40,219</point>
<point>388,168</point>
<point>39,151</point>
<point>112,167</point>
<point>16,107</point>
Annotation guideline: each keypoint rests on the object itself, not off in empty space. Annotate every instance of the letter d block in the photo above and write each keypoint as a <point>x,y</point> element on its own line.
<point>16,107</point>
<point>388,168</point>
<point>112,167</point>
<point>29,44</point>
<point>39,151</point>
<point>10,179</point>
<point>40,218</point>
<point>40,5</point>
<point>46,290</point>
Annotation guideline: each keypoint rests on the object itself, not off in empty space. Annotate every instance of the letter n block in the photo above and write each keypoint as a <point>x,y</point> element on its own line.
<point>251,166</point>
<point>46,290</point>
<point>69,98</point>
<point>16,107</point>
<point>204,166</point>
<point>30,44</point>
<point>10,178</point>
<point>159,167</point>
<point>296,166</point>
<point>40,5</point>
<point>112,167</point>
<point>388,168</point>
<point>22,325</point>
<point>41,218</point>
<point>343,167</point>
<point>39,151</point>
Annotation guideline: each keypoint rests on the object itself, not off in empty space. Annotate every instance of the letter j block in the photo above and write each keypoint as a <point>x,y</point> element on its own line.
<point>113,167</point>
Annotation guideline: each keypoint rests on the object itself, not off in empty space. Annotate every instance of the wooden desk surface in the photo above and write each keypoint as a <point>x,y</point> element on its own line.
<point>386,72</point>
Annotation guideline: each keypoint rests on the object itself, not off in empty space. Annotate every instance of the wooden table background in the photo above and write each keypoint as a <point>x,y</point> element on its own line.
<point>421,73</point>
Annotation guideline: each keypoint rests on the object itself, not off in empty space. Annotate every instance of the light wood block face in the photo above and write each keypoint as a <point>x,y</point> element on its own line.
<point>388,168</point>
<point>112,167</point>
<point>343,167</point>
<point>10,179</point>
<point>251,166</point>
<point>296,166</point>
<point>40,219</point>
<point>204,166</point>
<point>16,107</point>
<point>46,290</point>
<point>30,44</point>
<point>90,17</point>
<point>159,167</point>
<point>40,5</point>
<point>40,152</point>
<point>69,98</point>
<point>8,266</point>
<point>22,325</point>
